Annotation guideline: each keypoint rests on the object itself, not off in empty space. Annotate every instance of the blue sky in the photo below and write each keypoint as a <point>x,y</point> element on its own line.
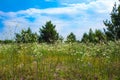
<point>76,16</point>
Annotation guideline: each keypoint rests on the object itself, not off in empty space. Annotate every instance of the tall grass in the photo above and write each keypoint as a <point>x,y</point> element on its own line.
<point>60,61</point>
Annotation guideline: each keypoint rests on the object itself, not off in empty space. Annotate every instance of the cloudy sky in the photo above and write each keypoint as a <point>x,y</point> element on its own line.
<point>76,16</point>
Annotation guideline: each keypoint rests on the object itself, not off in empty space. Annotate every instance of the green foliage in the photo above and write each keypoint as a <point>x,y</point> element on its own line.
<point>91,36</point>
<point>94,37</point>
<point>85,38</point>
<point>26,36</point>
<point>71,38</point>
<point>48,33</point>
<point>99,36</point>
<point>60,38</point>
<point>6,41</point>
<point>113,26</point>
<point>62,61</point>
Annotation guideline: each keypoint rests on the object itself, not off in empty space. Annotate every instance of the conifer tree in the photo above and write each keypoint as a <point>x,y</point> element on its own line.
<point>113,26</point>
<point>71,38</point>
<point>48,33</point>
<point>26,36</point>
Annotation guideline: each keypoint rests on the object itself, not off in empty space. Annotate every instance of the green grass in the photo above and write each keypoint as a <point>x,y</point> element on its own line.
<point>60,61</point>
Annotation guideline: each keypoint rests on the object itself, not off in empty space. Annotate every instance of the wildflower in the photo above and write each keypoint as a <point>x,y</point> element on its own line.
<point>81,60</point>
<point>107,57</point>
<point>104,54</point>
<point>20,65</point>
<point>81,52</point>
<point>78,59</point>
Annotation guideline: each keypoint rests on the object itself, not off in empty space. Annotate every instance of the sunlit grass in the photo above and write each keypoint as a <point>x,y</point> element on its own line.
<point>77,61</point>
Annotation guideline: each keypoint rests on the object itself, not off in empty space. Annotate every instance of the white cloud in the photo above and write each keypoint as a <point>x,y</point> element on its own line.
<point>81,17</point>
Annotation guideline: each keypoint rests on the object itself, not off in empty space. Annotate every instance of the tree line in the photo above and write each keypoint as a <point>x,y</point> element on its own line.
<point>48,33</point>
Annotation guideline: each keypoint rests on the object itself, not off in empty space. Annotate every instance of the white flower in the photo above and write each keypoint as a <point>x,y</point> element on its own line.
<point>78,59</point>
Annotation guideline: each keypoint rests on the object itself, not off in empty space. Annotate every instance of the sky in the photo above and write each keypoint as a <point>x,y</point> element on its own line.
<point>76,16</point>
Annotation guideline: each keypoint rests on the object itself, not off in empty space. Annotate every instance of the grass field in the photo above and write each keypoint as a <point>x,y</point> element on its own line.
<point>76,61</point>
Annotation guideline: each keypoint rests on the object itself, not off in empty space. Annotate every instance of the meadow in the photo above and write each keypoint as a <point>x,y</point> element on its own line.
<point>60,61</point>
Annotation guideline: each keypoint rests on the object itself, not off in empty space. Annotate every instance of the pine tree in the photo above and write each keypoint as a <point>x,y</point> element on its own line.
<point>113,26</point>
<point>26,36</point>
<point>48,33</point>
<point>71,38</point>
<point>99,36</point>
<point>91,36</point>
<point>85,38</point>
<point>94,37</point>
